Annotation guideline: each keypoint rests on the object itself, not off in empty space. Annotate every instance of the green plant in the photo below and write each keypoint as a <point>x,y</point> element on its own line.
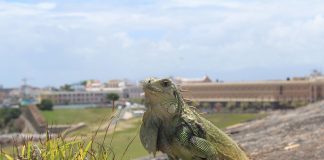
<point>52,149</point>
<point>230,106</point>
<point>59,147</point>
<point>66,87</point>
<point>8,114</point>
<point>244,106</point>
<point>46,104</point>
<point>113,97</point>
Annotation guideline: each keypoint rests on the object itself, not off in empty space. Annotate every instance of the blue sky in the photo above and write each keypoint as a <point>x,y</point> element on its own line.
<point>57,42</point>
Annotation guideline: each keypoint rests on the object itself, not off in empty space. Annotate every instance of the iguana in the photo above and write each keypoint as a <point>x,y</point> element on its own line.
<point>173,127</point>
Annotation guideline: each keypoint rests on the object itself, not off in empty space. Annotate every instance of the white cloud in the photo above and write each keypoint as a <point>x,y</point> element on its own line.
<point>125,40</point>
<point>46,6</point>
<point>189,37</point>
<point>202,3</point>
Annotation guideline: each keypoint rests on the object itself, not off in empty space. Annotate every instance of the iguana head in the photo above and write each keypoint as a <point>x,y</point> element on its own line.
<point>162,96</point>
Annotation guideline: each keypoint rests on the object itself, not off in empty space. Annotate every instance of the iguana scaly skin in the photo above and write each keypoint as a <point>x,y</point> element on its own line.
<point>171,126</point>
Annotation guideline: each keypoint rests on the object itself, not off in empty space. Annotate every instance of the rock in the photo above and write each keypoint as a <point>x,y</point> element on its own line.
<point>293,134</point>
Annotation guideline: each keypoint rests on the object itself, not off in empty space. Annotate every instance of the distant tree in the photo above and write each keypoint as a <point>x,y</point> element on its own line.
<point>113,97</point>
<point>7,115</point>
<point>256,106</point>
<point>205,105</point>
<point>299,103</point>
<point>230,106</point>
<point>266,105</point>
<point>66,87</point>
<point>46,104</point>
<point>244,106</point>
<point>83,83</point>
<point>285,105</point>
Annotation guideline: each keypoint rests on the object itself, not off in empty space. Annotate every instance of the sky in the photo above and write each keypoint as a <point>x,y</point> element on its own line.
<point>56,42</point>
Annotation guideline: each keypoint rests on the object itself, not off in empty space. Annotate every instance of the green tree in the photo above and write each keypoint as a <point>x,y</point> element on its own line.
<point>266,105</point>
<point>285,104</point>
<point>244,106</point>
<point>298,103</point>
<point>84,83</point>
<point>7,115</point>
<point>46,104</point>
<point>205,105</point>
<point>113,97</point>
<point>66,87</point>
<point>230,106</point>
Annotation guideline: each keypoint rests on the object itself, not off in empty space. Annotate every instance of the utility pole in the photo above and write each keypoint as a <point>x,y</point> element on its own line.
<point>24,81</point>
<point>23,88</point>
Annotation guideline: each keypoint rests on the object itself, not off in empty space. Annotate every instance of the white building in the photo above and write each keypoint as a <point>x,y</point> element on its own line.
<point>125,88</point>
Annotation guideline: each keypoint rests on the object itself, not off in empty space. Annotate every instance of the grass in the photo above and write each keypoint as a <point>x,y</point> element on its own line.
<point>223,120</point>
<point>123,135</point>
<point>89,116</point>
<point>122,138</point>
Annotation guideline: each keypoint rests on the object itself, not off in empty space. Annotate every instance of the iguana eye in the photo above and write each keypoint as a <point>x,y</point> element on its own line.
<point>165,83</point>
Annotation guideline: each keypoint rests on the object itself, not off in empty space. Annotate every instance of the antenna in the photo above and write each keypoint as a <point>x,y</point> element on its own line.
<point>23,90</point>
<point>24,80</point>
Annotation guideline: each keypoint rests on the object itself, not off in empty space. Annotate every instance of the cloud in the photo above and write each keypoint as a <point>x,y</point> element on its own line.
<point>70,41</point>
<point>46,6</point>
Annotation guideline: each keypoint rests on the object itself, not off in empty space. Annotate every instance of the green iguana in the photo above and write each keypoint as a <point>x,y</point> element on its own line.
<point>171,126</point>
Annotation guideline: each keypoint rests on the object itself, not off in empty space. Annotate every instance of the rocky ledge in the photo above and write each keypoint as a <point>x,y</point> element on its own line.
<point>294,134</point>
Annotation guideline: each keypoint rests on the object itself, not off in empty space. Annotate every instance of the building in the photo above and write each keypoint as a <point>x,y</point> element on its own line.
<point>132,92</point>
<point>93,85</point>
<point>95,92</point>
<point>180,80</point>
<point>88,97</point>
<point>5,98</point>
<point>308,89</point>
<point>76,97</point>
<point>117,83</point>
<point>125,88</point>
<point>78,86</point>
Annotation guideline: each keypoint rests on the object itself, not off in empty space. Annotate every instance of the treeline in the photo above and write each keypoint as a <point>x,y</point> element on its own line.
<point>248,106</point>
<point>7,119</point>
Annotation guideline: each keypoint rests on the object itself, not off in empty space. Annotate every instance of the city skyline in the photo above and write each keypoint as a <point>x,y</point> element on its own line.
<point>58,42</point>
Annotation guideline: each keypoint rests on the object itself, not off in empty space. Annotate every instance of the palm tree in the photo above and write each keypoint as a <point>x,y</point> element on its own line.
<point>113,97</point>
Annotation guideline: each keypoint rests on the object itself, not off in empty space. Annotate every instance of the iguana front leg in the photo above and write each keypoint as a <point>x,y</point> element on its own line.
<point>201,148</point>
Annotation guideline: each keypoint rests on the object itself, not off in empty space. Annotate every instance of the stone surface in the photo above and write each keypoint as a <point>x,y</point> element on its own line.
<point>293,134</point>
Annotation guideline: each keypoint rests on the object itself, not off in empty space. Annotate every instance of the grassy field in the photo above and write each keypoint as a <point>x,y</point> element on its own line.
<point>223,120</point>
<point>93,116</point>
<point>89,116</point>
